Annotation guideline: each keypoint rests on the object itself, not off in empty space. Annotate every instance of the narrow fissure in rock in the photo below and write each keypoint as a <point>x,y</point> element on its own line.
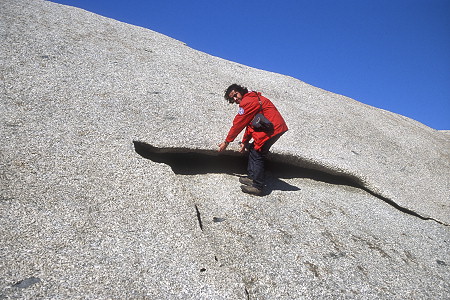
<point>247,293</point>
<point>199,218</point>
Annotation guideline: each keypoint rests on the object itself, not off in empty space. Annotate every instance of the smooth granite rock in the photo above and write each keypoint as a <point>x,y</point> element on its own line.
<point>111,186</point>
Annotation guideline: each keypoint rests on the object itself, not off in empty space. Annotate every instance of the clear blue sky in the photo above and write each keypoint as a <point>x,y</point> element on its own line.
<point>391,54</point>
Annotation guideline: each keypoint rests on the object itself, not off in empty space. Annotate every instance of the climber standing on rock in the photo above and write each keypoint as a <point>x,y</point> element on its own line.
<point>263,123</point>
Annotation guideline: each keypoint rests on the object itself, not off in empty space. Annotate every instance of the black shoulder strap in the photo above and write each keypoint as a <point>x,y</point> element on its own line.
<point>260,103</point>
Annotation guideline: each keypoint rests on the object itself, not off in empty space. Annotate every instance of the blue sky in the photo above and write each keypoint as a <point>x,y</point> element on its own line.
<point>391,54</point>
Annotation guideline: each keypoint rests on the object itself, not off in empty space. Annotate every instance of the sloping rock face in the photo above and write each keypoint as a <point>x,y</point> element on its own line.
<point>111,186</point>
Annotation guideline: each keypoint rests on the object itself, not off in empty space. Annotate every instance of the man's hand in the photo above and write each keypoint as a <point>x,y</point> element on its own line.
<point>241,147</point>
<point>223,146</point>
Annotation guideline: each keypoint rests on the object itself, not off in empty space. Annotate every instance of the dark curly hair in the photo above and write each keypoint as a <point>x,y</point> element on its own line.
<point>240,89</point>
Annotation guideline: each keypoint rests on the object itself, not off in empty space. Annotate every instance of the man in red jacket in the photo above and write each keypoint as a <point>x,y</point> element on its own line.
<point>249,106</point>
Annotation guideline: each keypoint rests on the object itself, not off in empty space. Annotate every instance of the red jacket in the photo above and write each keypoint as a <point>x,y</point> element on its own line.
<point>248,108</point>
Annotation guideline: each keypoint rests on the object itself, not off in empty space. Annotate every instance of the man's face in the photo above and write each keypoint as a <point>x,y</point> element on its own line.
<point>236,96</point>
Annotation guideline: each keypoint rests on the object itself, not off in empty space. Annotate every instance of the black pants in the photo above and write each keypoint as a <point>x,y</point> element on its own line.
<point>256,160</point>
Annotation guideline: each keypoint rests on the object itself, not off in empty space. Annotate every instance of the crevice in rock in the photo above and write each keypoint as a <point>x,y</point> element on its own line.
<point>199,218</point>
<point>184,161</point>
<point>23,284</point>
<point>400,208</point>
<point>247,294</point>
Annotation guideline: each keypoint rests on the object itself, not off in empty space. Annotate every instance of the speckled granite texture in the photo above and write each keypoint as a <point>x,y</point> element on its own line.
<point>111,186</point>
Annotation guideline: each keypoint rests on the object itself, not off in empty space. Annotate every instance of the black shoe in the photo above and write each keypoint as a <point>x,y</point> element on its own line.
<point>251,190</point>
<point>246,181</point>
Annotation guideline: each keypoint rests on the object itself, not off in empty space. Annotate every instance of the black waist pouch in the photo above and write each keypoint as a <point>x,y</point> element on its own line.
<point>260,122</point>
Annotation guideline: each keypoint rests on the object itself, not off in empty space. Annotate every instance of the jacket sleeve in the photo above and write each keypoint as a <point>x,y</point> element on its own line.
<point>247,135</point>
<point>246,113</point>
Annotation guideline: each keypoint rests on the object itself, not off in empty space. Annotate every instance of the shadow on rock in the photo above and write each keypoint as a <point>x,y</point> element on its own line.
<point>193,162</point>
<point>185,161</point>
